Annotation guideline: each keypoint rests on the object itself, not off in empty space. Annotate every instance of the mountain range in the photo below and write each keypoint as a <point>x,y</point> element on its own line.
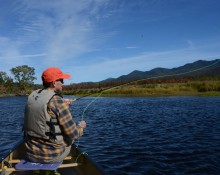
<point>196,69</point>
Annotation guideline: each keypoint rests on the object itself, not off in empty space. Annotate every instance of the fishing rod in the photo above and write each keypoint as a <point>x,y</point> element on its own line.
<point>127,83</point>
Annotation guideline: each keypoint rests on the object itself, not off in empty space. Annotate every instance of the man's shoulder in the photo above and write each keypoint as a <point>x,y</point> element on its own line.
<point>57,96</point>
<point>57,99</point>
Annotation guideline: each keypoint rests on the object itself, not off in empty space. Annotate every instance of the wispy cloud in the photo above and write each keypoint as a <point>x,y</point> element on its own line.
<point>143,62</point>
<point>61,29</point>
<point>23,56</point>
<point>131,47</point>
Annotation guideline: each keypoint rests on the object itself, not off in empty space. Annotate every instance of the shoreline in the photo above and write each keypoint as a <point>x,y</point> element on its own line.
<point>7,95</point>
<point>201,94</point>
<point>10,95</point>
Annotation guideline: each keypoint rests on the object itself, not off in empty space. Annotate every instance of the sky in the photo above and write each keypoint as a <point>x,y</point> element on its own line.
<point>97,39</point>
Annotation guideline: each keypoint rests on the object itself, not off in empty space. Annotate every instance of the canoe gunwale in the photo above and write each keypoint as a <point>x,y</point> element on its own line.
<point>84,164</point>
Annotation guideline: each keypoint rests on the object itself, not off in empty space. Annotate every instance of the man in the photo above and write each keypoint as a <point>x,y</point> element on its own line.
<point>48,124</point>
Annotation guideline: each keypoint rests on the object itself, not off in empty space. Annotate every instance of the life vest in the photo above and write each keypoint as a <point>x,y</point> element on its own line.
<point>37,122</point>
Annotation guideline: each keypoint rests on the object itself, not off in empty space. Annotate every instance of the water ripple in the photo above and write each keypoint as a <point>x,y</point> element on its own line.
<point>156,136</point>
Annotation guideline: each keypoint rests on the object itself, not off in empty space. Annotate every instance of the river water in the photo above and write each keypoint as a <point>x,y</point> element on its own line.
<point>134,136</point>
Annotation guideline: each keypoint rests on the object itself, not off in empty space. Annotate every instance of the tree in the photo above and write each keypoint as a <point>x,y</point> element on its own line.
<point>25,76</point>
<point>6,82</point>
<point>9,84</point>
<point>3,77</point>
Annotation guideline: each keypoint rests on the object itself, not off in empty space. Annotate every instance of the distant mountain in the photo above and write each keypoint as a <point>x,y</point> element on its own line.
<point>195,69</point>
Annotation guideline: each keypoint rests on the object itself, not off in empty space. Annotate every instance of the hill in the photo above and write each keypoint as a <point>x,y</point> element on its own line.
<point>196,69</point>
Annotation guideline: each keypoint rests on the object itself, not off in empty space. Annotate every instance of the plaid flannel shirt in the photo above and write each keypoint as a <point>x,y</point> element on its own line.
<point>46,150</point>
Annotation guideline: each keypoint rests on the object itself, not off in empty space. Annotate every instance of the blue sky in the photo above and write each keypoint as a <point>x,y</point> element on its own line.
<point>96,39</point>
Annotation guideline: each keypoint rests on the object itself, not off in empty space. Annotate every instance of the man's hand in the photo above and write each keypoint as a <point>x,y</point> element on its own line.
<point>82,124</point>
<point>69,101</point>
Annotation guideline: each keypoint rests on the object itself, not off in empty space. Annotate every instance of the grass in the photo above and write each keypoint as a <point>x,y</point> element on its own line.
<point>198,88</point>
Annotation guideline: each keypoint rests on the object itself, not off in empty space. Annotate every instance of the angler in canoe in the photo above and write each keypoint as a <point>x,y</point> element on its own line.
<point>48,124</point>
<point>76,163</point>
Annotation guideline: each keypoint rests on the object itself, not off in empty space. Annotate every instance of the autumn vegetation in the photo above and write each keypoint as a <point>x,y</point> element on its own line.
<point>23,83</point>
<point>153,87</point>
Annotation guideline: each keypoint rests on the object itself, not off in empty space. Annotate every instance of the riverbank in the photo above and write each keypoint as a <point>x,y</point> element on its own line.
<point>166,94</point>
<point>205,94</point>
<point>205,88</point>
<point>195,88</point>
<point>7,95</point>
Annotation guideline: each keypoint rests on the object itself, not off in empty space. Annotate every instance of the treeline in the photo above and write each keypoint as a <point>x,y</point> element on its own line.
<point>159,86</point>
<point>22,83</point>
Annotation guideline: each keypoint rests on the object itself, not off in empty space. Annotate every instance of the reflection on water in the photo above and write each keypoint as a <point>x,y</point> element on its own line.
<point>169,135</point>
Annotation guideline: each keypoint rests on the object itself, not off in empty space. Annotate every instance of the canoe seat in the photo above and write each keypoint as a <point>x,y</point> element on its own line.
<point>26,165</point>
<point>21,165</point>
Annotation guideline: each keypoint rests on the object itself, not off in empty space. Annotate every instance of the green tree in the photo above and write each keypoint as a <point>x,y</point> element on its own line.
<point>24,76</point>
<point>6,82</point>
<point>3,77</point>
<point>9,85</point>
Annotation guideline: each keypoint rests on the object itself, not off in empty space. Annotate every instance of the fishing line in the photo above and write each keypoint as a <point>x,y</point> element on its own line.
<point>110,88</point>
<point>162,76</point>
<point>82,153</point>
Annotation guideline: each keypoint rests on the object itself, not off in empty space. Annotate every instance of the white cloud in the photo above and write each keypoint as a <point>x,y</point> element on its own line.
<point>143,62</point>
<point>131,47</point>
<point>61,29</point>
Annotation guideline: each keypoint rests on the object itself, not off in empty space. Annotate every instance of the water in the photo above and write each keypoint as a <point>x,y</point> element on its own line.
<point>155,136</point>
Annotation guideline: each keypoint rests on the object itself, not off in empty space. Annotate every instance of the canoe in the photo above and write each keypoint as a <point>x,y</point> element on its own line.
<point>76,163</point>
